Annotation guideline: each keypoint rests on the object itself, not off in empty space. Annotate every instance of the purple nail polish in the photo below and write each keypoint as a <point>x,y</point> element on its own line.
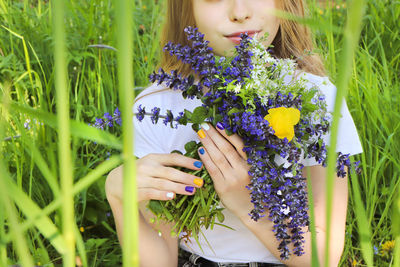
<point>189,189</point>
<point>220,126</point>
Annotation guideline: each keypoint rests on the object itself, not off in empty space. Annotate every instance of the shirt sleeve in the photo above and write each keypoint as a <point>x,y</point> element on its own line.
<point>348,141</point>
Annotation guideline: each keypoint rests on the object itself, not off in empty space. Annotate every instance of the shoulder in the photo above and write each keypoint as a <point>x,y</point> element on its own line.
<point>312,80</point>
<point>164,98</point>
<point>153,94</point>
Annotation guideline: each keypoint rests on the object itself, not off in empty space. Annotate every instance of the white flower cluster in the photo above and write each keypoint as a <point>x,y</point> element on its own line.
<point>271,75</point>
<point>268,74</point>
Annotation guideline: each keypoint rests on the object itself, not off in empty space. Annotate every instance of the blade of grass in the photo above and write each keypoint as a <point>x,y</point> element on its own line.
<point>396,229</point>
<point>64,143</point>
<point>3,243</point>
<point>5,202</point>
<point>27,59</point>
<point>82,184</point>
<point>13,223</point>
<point>80,244</point>
<point>313,23</point>
<point>124,10</point>
<point>37,157</point>
<point>314,248</point>
<point>31,210</point>
<point>362,222</point>
<point>351,36</point>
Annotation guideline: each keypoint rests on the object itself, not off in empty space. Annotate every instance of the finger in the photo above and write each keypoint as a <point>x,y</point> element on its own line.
<point>234,139</point>
<point>175,159</point>
<point>217,156</point>
<point>213,170</point>
<point>223,145</point>
<point>172,174</point>
<point>167,185</point>
<point>151,193</point>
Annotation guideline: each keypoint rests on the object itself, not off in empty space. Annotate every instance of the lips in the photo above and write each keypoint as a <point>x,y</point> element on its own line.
<point>235,37</point>
<point>237,34</point>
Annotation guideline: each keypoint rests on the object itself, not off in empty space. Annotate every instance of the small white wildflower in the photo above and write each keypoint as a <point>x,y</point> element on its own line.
<point>237,88</point>
<point>288,174</point>
<point>279,193</point>
<point>285,210</point>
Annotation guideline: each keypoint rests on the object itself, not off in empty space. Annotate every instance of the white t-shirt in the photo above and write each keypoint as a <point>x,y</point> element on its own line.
<point>240,245</point>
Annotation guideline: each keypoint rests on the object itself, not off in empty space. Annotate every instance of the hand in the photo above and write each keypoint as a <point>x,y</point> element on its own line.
<point>227,165</point>
<point>156,179</point>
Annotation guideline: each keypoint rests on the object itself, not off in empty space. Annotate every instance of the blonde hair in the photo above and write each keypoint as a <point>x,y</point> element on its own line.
<point>293,40</point>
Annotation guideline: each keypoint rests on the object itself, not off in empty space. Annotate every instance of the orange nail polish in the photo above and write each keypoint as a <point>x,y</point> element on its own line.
<point>198,181</point>
<point>201,133</point>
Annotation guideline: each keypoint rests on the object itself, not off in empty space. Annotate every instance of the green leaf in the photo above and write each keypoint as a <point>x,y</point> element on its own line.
<point>195,127</point>
<point>91,215</point>
<point>233,110</point>
<point>220,216</point>
<point>177,152</point>
<point>155,207</point>
<point>188,114</point>
<point>218,117</point>
<point>190,146</point>
<point>199,114</point>
<point>94,243</point>
<point>218,100</point>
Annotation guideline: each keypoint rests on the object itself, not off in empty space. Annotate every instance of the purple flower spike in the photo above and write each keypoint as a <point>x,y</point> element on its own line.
<point>99,123</point>
<point>117,116</point>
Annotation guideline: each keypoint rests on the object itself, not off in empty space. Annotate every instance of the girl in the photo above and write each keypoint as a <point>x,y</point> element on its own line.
<point>251,243</point>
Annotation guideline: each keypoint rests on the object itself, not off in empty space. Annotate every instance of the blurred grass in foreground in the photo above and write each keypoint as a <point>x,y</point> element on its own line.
<point>31,158</point>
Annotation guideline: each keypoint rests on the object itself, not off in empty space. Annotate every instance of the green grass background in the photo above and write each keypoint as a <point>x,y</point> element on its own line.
<point>30,207</point>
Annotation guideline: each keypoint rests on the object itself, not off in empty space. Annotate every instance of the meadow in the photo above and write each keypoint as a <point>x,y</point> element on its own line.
<point>53,165</point>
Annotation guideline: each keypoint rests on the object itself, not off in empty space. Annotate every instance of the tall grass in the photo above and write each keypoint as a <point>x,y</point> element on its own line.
<point>131,215</point>
<point>31,187</point>
<point>351,36</point>
<point>64,142</point>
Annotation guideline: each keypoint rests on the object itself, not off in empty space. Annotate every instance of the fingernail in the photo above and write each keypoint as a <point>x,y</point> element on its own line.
<point>198,181</point>
<point>201,150</point>
<point>220,125</point>
<point>170,195</point>
<point>189,189</point>
<point>205,126</point>
<point>201,133</point>
<point>198,164</point>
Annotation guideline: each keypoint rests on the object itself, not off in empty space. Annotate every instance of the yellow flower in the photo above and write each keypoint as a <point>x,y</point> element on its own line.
<point>387,247</point>
<point>283,120</point>
<point>82,229</point>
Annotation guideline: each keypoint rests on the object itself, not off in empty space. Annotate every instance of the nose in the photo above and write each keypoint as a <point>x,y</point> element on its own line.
<point>239,10</point>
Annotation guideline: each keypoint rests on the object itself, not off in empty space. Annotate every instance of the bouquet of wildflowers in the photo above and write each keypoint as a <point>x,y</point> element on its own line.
<point>280,124</point>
